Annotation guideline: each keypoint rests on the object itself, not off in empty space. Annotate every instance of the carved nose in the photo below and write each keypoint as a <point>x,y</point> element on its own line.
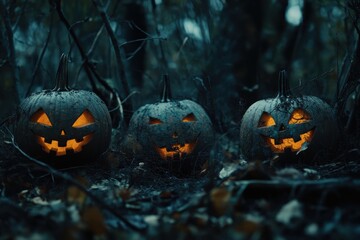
<point>175,135</point>
<point>62,133</point>
<point>282,127</point>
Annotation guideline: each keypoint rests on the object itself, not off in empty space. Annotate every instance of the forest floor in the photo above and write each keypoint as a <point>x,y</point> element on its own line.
<point>233,200</point>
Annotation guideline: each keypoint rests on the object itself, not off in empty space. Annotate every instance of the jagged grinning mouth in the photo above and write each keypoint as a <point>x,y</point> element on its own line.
<point>71,145</point>
<point>177,150</point>
<point>289,143</point>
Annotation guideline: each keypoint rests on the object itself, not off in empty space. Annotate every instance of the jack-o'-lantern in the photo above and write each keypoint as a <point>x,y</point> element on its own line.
<point>62,124</point>
<point>287,126</point>
<point>172,132</point>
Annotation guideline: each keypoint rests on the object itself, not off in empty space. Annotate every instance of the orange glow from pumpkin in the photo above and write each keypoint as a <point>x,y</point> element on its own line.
<point>41,117</point>
<point>266,120</point>
<point>177,150</point>
<point>153,121</point>
<point>290,143</point>
<point>189,118</point>
<point>70,145</point>
<point>299,116</point>
<point>84,119</point>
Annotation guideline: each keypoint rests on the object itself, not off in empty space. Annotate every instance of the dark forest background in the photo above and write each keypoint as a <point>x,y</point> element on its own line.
<point>223,54</point>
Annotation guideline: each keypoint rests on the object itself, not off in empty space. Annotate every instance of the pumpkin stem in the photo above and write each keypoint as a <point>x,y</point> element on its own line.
<point>62,78</point>
<point>284,88</point>
<point>166,92</point>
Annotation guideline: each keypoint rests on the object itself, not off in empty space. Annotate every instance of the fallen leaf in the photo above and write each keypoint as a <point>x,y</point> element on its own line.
<point>247,227</point>
<point>290,214</point>
<point>152,220</point>
<point>40,201</point>
<point>220,198</point>
<point>229,169</point>
<point>94,220</point>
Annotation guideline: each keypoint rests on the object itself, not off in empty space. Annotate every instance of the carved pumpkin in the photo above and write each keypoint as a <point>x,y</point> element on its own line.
<point>172,131</point>
<point>62,123</point>
<point>287,126</point>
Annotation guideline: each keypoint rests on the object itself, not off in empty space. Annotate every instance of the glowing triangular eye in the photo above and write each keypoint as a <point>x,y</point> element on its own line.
<point>153,121</point>
<point>41,117</point>
<point>84,119</point>
<point>189,118</point>
<point>266,120</point>
<point>299,116</point>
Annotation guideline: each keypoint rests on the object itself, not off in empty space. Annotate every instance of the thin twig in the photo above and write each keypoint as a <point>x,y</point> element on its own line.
<point>79,22</point>
<point>142,40</point>
<point>181,47</point>
<point>348,78</point>
<point>57,5</point>
<point>23,10</point>
<point>355,6</point>
<point>133,54</point>
<point>120,106</point>
<point>98,34</point>
<point>11,53</point>
<point>104,17</point>
<point>76,183</point>
<point>131,94</point>
<point>6,120</point>
<point>89,67</point>
<point>318,77</point>
<point>163,58</point>
<point>139,28</point>
<point>38,62</point>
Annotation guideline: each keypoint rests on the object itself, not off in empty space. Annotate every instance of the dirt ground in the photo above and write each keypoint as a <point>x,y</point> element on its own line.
<point>232,199</point>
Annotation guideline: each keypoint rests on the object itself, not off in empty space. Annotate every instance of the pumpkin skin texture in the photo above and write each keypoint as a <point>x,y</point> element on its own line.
<point>287,126</point>
<point>175,134</point>
<point>62,124</point>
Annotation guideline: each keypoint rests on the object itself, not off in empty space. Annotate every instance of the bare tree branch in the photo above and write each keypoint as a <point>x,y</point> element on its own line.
<point>121,70</point>
<point>162,53</point>
<point>57,5</point>
<point>76,183</point>
<point>23,10</point>
<point>349,76</point>
<point>98,34</point>
<point>89,67</point>
<point>11,53</point>
<point>38,62</point>
<point>143,41</point>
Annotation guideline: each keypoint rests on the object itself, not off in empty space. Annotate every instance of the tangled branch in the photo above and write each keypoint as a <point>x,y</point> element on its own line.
<point>105,19</point>
<point>71,180</point>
